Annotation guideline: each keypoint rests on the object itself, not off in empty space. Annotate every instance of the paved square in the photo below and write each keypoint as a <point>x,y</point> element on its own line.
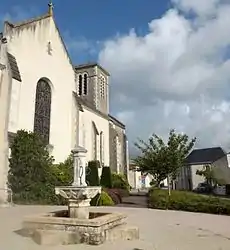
<point>161,230</point>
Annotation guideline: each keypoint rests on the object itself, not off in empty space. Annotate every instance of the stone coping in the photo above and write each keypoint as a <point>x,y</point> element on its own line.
<point>49,218</point>
<point>78,187</point>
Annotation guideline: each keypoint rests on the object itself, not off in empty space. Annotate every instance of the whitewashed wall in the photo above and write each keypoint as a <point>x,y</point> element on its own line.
<point>5,88</point>
<point>86,119</point>
<point>30,44</point>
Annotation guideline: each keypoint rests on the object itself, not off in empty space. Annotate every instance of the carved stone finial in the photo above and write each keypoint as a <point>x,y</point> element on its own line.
<point>51,6</point>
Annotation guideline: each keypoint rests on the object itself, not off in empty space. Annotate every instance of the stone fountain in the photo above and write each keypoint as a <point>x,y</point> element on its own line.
<point>78,224</point>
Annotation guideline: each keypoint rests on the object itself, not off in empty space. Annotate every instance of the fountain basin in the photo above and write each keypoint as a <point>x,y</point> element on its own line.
<point>56,228</point>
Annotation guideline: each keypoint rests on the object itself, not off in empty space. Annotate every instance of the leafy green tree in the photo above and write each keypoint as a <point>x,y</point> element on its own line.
<point>212,175</point>
<point>163,160</point>
<point>30,177</point>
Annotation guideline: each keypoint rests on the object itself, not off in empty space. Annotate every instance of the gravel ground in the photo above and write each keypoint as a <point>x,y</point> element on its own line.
<point>161,230</point>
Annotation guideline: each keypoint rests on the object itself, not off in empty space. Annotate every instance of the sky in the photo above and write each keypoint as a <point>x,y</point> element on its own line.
<point>168,60</point>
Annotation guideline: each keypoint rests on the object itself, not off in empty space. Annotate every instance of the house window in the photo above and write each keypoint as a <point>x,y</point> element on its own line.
<point>80,81</point>
<point>85,86</point>
<point>43,110</point>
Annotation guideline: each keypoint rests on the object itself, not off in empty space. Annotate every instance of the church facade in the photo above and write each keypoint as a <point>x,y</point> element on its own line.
<point>66,104</point>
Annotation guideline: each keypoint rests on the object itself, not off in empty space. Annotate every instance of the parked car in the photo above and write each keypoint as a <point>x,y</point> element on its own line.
<point>203,188</point>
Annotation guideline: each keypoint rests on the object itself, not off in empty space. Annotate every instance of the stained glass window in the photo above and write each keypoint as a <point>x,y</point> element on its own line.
<point>80,85</point>
<point>42,110</point>
<point>85,84</point>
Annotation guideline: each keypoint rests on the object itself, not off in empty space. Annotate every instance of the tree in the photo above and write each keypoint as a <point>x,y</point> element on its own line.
<point>163,160</point>
<point>212,175</point>
<point>30,176</point>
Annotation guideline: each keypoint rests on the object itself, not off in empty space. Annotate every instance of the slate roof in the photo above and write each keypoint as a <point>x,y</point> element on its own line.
<point>25,22</point>
<point>81,101</point>
<point>91,64</point>
<point>205,156</point>
<point>14,67</point>
<point>116,121</point>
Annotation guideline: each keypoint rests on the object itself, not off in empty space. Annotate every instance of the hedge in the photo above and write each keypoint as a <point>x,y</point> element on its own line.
<point>115,195</point>
<point>92,176</point>
<point>188,201</point>
<point>106,178</point>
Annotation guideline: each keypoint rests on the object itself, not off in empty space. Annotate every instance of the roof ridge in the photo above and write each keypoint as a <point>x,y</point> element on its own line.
<point>207,148</point>
<point>28,21</point>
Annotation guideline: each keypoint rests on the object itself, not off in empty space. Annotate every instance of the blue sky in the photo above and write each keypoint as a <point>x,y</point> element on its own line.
<point>87,23</point>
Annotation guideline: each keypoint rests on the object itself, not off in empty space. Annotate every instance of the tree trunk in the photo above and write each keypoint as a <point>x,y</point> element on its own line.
<point>169,185</point>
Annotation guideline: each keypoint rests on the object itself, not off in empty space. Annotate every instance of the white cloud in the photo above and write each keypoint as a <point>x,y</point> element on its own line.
<point>199,7</point>
<point>177,75</point>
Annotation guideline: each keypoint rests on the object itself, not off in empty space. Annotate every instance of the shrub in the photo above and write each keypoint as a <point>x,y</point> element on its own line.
<point>92,176</point>
<point>30,175</point>
<point>63,172</point>
<point>102,199</point>
<point>115,195</point>
<point>120,182</point>
<point>106,177</point>
<point>188,201</point>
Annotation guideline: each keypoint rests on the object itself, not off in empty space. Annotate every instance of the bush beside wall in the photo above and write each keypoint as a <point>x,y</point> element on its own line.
<point>106,177</point>
<point>188,201</point>
<point>120,182</point>
<point>102,199</point>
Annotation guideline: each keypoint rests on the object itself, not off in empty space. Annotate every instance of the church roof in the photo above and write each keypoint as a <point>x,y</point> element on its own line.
<point>113,119</point>
<point>29,21</point>
<point>14,67</point>
<point>90,65</point>
<point>37,19</point>
<point>81,101</point>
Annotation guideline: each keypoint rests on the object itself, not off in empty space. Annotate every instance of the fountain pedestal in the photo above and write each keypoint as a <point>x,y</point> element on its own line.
<point>78,199</point>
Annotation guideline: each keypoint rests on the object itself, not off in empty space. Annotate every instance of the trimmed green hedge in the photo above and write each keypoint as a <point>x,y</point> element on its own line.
<point>106,178</point>
<point>92,176</point>
<point>188,201</point>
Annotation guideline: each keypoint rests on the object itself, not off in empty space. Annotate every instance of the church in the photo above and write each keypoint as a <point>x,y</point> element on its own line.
<point>42,90</point>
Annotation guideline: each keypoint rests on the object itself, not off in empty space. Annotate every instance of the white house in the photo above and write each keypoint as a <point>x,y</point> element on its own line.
<point>196,160</point>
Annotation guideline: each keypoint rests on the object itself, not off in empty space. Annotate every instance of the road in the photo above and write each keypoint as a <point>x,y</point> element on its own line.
<point>159,230</point>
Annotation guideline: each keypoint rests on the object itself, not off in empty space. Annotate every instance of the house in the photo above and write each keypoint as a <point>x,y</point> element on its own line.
<point>137,179</point>
<point>196,160</point>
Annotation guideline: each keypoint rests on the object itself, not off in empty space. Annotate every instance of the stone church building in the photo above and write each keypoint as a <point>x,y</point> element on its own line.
<point>41,90</point>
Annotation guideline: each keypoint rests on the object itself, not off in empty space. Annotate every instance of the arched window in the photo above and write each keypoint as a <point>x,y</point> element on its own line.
<point>42,110</point>
<point>80,85</point>
<point>102,148</point>
<point>85,89</point>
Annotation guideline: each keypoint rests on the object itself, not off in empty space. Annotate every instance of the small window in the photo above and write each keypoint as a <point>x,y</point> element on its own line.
<point>80,85</point>
<point>85,89</point>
